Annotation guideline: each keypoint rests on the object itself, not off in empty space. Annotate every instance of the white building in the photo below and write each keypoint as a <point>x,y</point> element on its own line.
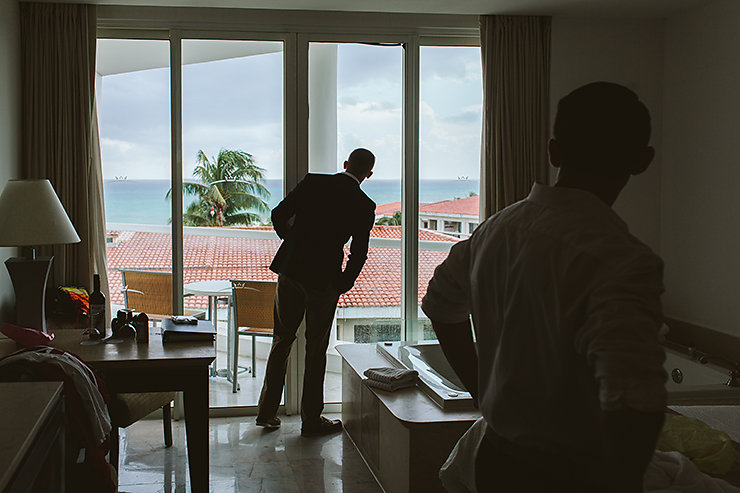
<point>457,217</point>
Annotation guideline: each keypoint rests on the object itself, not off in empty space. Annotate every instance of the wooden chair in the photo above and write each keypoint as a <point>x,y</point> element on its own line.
<point>150,292</point>
<point>127,409</point>
<point>252,305</point>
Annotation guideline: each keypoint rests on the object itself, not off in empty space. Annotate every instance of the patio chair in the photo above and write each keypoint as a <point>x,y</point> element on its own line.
<point>252,302</point>
<point>150,292</point>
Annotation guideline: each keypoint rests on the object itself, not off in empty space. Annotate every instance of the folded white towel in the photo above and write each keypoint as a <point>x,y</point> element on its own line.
<point>390,386</point>
<point>391,375</point>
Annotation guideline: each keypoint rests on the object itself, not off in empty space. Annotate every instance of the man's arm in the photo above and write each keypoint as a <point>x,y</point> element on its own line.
<point>456,340</point>
<point>620,342</point>
<point>628,441</point>
<point>447,304</point>
<point>357,253</point>
<point>286,209</point>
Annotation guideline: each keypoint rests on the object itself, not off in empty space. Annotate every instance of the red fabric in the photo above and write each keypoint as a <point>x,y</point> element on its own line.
<point>24,336</point>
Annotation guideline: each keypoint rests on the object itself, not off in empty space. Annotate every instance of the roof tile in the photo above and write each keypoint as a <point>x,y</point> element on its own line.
<point>217,258</point>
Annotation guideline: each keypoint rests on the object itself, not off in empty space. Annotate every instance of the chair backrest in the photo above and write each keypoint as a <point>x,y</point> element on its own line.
<point>147,291</point>
<point>253,302</point>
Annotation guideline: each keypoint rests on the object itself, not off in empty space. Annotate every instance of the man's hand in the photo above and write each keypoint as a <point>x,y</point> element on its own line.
<point>628,441</point>
<point>456,340</point>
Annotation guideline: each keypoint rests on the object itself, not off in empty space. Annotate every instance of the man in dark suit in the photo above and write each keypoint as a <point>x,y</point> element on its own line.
<point>315,221</point>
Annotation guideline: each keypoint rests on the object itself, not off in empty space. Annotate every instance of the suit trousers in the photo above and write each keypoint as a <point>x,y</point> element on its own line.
<point>294,301</point>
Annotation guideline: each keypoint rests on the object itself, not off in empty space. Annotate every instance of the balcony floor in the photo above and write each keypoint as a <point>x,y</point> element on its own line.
<point>220,389</point>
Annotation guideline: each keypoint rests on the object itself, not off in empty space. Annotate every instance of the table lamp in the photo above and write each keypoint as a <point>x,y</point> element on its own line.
<point>31,215</point>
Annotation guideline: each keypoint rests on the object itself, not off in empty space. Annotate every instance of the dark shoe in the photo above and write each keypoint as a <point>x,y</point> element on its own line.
<point>270,424</point>
<point>324,426</point>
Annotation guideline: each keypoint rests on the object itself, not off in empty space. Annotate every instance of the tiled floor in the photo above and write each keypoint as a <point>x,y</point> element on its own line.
<point>221,394</point>
<point>244,458</point>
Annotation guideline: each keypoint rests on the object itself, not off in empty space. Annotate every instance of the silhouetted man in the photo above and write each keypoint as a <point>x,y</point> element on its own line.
<point>315,221</point>
<point>566,309</point>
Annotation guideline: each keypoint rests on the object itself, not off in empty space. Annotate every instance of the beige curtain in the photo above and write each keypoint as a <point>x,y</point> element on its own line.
<point>515,53</point>
<point>60,130</point>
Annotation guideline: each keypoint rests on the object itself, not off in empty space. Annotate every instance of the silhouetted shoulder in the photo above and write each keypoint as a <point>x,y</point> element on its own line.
<point>368,201</point>
<point>314,177</point>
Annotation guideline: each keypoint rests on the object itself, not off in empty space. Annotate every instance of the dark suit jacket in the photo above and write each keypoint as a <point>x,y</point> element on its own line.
<point>315,221</point>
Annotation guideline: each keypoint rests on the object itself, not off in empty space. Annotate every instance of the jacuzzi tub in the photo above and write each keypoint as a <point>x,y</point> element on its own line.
<point>436,377</point>
<point>689,382</point>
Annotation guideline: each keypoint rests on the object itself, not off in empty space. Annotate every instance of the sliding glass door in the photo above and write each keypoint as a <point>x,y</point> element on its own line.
<point>355,96</point>
<point>232,141</point>
<point>133,96</point>
<point>233,127</point>
<point>451,100</point>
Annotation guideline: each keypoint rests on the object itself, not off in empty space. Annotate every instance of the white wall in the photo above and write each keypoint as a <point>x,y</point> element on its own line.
<point>700,234</point>
<point>627,52</point>
<point>10,95</point>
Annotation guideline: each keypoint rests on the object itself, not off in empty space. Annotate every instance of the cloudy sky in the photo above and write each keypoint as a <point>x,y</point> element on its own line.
<point>237,104</point>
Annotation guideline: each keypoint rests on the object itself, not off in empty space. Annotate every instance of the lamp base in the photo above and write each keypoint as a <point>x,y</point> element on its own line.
<point>29,278</point>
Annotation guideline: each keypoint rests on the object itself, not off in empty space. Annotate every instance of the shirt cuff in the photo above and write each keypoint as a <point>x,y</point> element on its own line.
<point>638,395</point>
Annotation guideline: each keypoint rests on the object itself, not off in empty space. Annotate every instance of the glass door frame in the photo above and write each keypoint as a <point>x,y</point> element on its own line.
<point>411,44</point>
<point>295,142</point>
<point>409,161</point>
<point>291,171</point>
<point>290,161</point>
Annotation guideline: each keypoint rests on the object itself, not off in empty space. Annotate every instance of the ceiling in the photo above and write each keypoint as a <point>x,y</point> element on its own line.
<point>590,8</point>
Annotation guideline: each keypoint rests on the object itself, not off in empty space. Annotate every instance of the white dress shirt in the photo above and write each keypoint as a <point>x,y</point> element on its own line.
<point>566,311</point>
<point>351,176</point>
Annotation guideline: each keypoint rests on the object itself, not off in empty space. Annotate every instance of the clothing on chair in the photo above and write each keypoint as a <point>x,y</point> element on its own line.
<point>85,401</point>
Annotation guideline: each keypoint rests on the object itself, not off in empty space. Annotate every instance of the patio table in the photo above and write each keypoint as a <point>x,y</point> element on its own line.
<point>214,289</point>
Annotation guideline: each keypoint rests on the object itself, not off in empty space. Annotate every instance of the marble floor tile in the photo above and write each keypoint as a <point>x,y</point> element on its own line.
<point>220,392</point>
<point>244,458</point>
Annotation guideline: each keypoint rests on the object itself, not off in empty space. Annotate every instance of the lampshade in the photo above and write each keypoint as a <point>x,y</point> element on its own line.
<point>31,214</point>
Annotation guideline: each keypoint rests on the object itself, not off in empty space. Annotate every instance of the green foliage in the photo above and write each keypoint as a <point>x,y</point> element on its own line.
<point>228,189</point>
<point>394,220</point>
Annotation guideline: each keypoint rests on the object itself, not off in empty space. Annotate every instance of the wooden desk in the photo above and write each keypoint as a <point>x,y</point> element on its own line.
<point>32,436</point>
<point>153,367</point>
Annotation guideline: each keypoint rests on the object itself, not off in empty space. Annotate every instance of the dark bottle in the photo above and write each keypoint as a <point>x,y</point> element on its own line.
<point>97,309</point>
<point>141,324</point>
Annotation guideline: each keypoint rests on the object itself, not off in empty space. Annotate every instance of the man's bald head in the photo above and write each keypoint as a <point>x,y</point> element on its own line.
<point>360,163</point>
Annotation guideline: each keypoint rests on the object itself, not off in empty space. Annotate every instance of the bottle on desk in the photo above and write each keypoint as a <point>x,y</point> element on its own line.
<point>97,309</point>
<point>141,324</point>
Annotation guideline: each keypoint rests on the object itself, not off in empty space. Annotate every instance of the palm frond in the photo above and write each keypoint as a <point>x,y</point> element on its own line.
<point>232,184</point>
<point>243,218</point>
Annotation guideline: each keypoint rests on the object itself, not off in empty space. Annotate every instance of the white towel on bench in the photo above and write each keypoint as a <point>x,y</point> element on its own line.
<point>390,379</point>
<point>391,375</point>
<point>390,387</point>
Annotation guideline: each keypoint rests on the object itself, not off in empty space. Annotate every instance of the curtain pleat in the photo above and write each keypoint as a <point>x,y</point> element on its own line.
<point>60,131</point>
<point>515,53</point>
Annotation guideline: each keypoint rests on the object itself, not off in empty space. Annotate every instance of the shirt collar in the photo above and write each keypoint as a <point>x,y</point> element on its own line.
<point>351,175</point>
<point>562,197</point>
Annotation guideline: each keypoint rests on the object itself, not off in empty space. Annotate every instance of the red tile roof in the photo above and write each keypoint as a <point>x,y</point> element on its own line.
<point>467,206</point>
<point>395,233</point>
<point>214,258</point>
<point>387,209</point>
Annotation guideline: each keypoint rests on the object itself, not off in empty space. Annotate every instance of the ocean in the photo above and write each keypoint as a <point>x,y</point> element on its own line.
<point>143,201</point>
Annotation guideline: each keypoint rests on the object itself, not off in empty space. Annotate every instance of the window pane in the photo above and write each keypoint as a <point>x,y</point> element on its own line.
<point>232,108</point>
<point>133,94</point>
<point>355,97</point>
<point>451,96</point>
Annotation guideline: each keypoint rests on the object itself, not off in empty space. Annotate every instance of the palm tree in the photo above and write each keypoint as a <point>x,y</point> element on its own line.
<point>229,190</point>
<point>394,220</point>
